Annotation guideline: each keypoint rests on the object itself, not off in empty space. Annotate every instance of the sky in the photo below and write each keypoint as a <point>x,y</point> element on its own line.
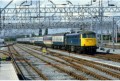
<point>44,2</point>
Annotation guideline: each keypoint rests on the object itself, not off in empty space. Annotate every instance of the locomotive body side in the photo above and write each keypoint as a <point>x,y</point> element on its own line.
<point>72,42</point>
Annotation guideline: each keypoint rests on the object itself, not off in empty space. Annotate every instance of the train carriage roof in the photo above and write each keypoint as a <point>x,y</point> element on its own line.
<point>59,34</point>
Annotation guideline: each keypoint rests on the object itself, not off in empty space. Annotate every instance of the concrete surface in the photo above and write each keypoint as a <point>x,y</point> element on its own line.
<point>7,71</point>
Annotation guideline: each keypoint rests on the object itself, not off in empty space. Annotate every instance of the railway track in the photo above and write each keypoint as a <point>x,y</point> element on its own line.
<point>111,57</point>
<point>100,56</point>
<point>53,69</point>
<point>79,63</point>
<point>56,64</point>
<point>18,70</point>
<point>28,67</point>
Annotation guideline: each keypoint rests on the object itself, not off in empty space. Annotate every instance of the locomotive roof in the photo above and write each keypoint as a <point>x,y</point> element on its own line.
<point>81,32</point>
<point>88,32</point>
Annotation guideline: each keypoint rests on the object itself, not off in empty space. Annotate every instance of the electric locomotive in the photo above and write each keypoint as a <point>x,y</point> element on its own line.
<point>85,41</point>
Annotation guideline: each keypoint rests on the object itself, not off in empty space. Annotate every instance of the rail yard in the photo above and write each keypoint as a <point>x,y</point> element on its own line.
<point>59,40</point>
<point>32,64</point>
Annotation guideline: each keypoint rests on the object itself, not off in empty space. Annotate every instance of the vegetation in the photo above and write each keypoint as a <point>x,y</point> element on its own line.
<point>40,32</point>
<point>46,31</point>
<point>10,39</point>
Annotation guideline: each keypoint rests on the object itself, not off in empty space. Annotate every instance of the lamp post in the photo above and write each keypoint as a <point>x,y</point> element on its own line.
<point>113,35</point>
<point>113,29</point>
<point>0,18</point>
<point>101,20</point>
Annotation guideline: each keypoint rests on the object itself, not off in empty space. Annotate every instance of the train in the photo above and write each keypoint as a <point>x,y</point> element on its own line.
<point>81,42</point>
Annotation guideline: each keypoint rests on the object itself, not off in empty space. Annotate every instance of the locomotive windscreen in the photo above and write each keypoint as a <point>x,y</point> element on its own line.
<point>89,35</point>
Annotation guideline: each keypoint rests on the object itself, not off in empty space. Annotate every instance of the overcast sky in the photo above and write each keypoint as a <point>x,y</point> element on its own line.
<point>44,2</point>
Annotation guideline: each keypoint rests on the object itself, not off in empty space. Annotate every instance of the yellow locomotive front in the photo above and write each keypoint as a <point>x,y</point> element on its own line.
<point>88,41</point>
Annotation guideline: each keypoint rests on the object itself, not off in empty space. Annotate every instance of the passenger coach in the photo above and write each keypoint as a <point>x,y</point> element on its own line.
<point>58,41</point>
<point>47,40</point>
<point>38,41</point>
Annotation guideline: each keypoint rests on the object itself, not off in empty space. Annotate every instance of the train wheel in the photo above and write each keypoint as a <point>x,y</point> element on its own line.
<point>72,48</point>
<point>68,49</point>
<point>53,47</point>
<point>94,51</point>
<point>81,52</point>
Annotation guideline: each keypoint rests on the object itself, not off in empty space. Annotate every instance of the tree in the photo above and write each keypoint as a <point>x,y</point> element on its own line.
<point>33,35</point>
<point>46,31</point>
<point>40,32</point>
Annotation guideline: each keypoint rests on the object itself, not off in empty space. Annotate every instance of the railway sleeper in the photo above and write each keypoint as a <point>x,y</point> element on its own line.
<point>84,69</point>
<point>80,68</point>
<point>108,66</point>
<point>96,67</point>
<point>108,72</point>
<point>35,69</point>
<point>66,71</point>
<point>60,68</point>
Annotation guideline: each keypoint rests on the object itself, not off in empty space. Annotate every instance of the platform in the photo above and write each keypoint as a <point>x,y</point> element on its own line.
<point>117,44</point>
<point>7,71</point>
<point>109,50</point>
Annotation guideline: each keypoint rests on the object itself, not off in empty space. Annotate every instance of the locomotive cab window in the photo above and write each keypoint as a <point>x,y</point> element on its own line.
<point>88,35</point>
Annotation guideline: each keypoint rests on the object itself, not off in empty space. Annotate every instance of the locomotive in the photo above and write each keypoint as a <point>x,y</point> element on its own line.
<point>82,42</point>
